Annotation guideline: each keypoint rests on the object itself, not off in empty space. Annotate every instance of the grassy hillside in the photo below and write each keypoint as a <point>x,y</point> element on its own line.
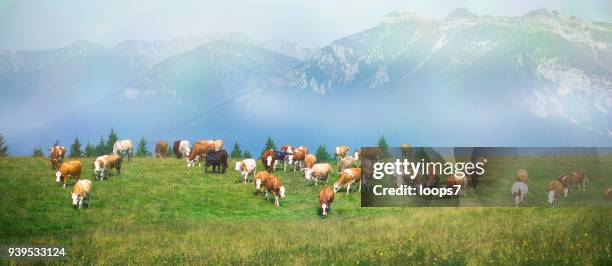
<point>158,211</point>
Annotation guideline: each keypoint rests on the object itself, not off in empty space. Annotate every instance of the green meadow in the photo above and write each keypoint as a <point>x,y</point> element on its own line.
<point>161,212</point>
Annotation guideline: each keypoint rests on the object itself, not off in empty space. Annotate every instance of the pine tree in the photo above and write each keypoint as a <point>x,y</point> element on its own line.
<point>38,152</point>
<point>90,151</point>
<point>3,147</point>
<point>101,148</point>
<point>236,153</point>
<point>246,154</point>
<point>322,154</point>
<point>112,138</point>
<point>384,147</point>
<point>142,148</point>
<point>75,148</point>
<point>269,145</point>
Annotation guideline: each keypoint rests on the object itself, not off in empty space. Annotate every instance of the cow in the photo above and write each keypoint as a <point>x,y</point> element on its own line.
<point>71,168</point>
<point>554,191</point>
<point>281,156</point>
<point>57,156</point>
<point>348,177</point>
<point>218,161</point>
<point>268,158</point>
<point>80,192</point>
<point>326,197</point>
<point>297,159</point>
<point>124,146</point>
<point>183,149</point>
<point>519,192</point>
<point>198,153</point>
<point>245,167</point>
<point>318,172</point>
<point>341,152</point>
<point>302,148</point>
<point>310,160</point>
<point>371,153</point>
<point>275,187</point>
<point>104,163</point>
<point>608,194</point>
<point>575,178</point>
<point>260,182</point>
<point>160,149</point>
<point>217,143</point>
<point>175,149</point>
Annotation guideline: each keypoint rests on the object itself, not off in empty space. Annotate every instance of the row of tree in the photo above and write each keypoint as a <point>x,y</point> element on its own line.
<point>105,146</point>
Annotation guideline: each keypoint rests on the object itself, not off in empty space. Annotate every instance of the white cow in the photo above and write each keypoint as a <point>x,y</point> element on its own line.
<point>124,146</point>
<point>245,167</point>
<point>519,193</point>
<point>184,148</point>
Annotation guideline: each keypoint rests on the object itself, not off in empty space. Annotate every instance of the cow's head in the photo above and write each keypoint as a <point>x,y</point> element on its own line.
<point>337,150</point>
<point>191,163</point>
<point>281,192</point>
<point>76,199</point>
<point>58,176</point>
<point>258,184</point>
<point>324,209</point>
<point>238,166</point>
<point>269,160</point>
<point>307,173</point>
<point>337,186</point>
<point>356,156</point>
<point>98,167</point>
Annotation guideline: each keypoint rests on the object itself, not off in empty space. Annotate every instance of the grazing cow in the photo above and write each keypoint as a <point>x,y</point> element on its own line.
<point>57,155</point>
<point>457,179</point>
<point>104,163</point>
<point>608,194</point>
<point>80,192</point>
<point>475,177</point>
<point>326,197</point>
<point>160,149</point>
<point>276,188</point>
<point>71,168</point>
<point>341,152</point>
<point>183,149</point>
<point>218,161</point>
<point>348,177</point>
<point>346,163</point>
<point>310,160</point>
<point>519,192</point>
<point>319,171</point>
<point>522,175</point>
<point>555,189</point>
<point>198,153</point>
<point>268,159</point>
<point>260,182</point>
<point>122,146</point>
<point>575,178</point>
<point>245,167</point>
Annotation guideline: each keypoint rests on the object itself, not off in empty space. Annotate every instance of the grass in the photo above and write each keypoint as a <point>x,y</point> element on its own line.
<point>160,212</point>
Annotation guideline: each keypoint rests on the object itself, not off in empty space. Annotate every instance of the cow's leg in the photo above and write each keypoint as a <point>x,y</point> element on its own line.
<point>348,187</point>
<point>565,192</point>
<point>276,201</point>
<point>359,185</point>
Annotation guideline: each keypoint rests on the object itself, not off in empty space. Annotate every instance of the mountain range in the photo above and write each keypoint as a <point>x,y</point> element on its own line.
<point>540,79</point>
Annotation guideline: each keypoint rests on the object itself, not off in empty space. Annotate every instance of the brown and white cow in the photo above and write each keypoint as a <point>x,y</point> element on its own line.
<point>198,153</point>
<point>68,169</point>
<point>319,171</point>
<point>80,192</point>
<point>103,164</point>
<point>57,156</point>
<point>297,159</point>
<point>326,197</point>
<point>245,167</point>
<point>268,158</point>
<point>160,149</point>
<point>310,160</point>
<point>275,187</point>
<point>347,178</point>
<point>260,181</point>
<point>575,178</point>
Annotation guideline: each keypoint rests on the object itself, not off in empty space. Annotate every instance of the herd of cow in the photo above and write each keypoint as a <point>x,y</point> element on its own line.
<point>213,154</point>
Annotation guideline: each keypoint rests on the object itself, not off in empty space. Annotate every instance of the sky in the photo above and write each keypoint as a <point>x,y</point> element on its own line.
<point>31,24</point>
